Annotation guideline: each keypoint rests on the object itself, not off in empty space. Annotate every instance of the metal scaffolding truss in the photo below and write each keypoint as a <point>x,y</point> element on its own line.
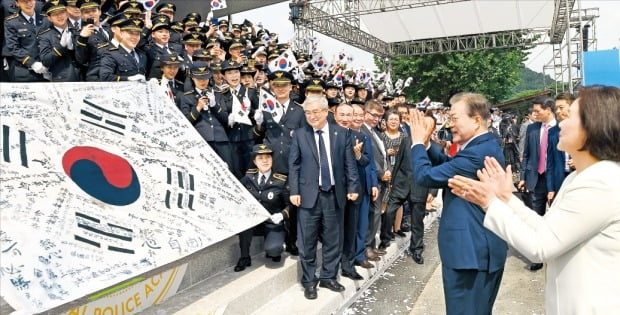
<point>337,28</point>
<point>353,9</point>
<point>560,23</point>
<point>340,19</point>
<point>507,39</point>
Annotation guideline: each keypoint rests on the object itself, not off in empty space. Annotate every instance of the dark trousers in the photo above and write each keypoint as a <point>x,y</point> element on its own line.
<point>539,195</point>
<point>387,219</point>
<point>470,291</point>
<point>374,218</point>
<point>241,158</point>
<point>418,210</point>
<point>274,239</point>
<point>348,233</point>
<point>362,227</point>
<point>322,221</point>
<point>291,235</point>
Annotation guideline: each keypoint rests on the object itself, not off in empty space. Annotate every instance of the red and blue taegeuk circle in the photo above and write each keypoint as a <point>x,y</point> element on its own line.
<point>101,174</point>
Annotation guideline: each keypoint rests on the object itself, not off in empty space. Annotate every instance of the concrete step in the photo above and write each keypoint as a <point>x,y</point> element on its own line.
<point>267,287</point>
<point>292,301</point>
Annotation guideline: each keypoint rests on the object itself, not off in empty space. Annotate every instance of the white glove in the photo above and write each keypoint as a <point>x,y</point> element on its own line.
<point>211,97</point>
<point>69,40</point>
<point>5,64</point>
<point>258,117</point>
<point>65,40</point>
<point>137,77</point>
<point>276,218</point>
<point>231,120</point>
<point>155,81</point>
<point>39,68</point>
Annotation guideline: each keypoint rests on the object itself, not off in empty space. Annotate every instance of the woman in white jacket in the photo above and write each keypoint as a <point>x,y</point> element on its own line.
<point>579,236</point>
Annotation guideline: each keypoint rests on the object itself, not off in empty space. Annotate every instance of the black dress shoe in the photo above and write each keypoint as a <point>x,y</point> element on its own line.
<point>535,266</point>
<point>242,263</point>
<point>293,250</point>
<point>417,257</point>
<point>275,258</point>
<point>364,264</point>
<point>353,275</point>
<point>310,293</point>
<point>332,285</point>
<point>401,233</point>
<point>405,228</point>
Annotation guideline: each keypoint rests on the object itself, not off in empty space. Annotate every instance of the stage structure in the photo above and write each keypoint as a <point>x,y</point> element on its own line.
<point>389,28</point>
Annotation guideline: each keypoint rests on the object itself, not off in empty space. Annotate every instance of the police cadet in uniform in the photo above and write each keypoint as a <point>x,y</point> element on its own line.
<point>198,105</point>
<point>278,134</point>
<point>271,190</point>
<point>239,132</point>
<point>92,37</point>
<point>169,68</point>
<point>125,62</point>
<point>21,45</point>
<point>160,32</point>
<point>56,44</point>
<point>348,91</point>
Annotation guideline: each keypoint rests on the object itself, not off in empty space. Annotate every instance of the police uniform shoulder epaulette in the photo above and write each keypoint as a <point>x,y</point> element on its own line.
<point>105,44</point>
<point>11,17</point>
<point>188,92</point>
<point>279,176</point>
<point>45,31</point>
<point>178,81</point>
<point>251,171</point>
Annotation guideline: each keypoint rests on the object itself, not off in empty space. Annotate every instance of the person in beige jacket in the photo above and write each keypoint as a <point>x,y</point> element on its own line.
<point>579,236</point>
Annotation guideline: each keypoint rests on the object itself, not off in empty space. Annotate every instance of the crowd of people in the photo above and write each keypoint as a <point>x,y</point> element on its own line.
<point>218,75</point>
<point>333,162</point>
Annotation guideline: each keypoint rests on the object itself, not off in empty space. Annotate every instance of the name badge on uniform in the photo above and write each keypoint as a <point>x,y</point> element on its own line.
<point>270,195</point>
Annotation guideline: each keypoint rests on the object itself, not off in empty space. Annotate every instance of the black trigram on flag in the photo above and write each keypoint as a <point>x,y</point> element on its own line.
<point>94,232</point>
<point>103,118</point>
<point>6,145</point>
<point>184,185</point>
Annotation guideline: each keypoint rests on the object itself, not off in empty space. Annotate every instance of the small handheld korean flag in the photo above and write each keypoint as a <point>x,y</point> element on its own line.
<point>285,62</point>
<point>218,4</point>
<point>241,109</point>
<point>318,61</point>
<point>268,103</point>
<point>149,4</point>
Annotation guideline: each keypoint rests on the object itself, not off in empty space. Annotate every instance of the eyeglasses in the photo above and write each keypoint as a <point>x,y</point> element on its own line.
<point>378,116</point>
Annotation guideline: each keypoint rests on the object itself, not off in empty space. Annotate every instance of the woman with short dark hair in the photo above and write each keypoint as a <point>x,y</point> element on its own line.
<point>579,236</point>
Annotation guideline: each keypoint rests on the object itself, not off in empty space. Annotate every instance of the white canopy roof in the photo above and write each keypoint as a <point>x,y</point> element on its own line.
<point>459,18</point>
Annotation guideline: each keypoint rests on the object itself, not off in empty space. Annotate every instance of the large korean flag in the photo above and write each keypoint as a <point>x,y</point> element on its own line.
<point>101,183</point>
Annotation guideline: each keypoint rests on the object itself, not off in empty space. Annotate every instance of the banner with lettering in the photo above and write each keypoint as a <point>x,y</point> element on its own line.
<point>102,182</point>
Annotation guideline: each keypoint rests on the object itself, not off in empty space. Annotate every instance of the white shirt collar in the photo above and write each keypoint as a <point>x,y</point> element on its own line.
<point>472,138</point>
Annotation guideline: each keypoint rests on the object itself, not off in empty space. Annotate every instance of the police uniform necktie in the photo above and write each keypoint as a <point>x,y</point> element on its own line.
<point>326,183</point>
<point>171,84</point>
<point>261,182</point>
<point>31,21</point>
<point>135,56</point>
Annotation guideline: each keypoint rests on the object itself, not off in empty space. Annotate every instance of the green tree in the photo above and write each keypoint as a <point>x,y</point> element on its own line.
<point>493,73</point>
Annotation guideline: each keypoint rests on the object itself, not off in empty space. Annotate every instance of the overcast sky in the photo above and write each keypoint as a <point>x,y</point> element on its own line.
<point>275,18</point>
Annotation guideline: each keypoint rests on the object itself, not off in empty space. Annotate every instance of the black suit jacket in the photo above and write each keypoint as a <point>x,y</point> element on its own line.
<point>304,165</point>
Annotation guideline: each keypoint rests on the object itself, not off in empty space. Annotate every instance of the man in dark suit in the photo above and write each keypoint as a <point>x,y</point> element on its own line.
<point>322,177</point>
<point>374,112</point>
<point>558,162</point>
<point>344,116</point>
<point>472,257</point>
<point>369,191</point>
<point>539,138</point>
